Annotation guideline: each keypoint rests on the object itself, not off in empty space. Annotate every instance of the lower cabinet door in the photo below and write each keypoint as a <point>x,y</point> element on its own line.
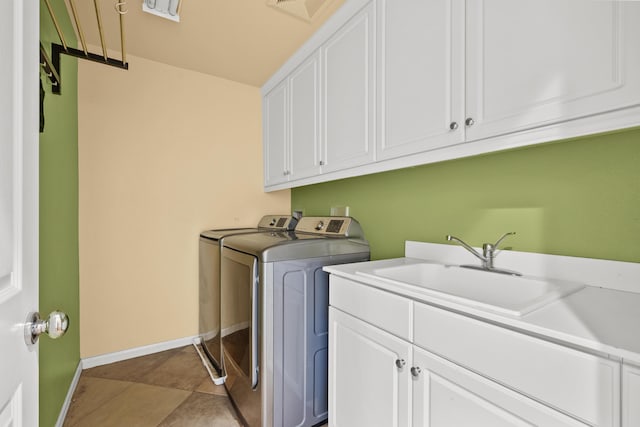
<point>630,396</point>
<point>445,395</point>
<point>369,380</point>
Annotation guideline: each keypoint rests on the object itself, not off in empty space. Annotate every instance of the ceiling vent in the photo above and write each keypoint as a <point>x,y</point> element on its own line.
<point>168,9</point>
<point>304,9</point>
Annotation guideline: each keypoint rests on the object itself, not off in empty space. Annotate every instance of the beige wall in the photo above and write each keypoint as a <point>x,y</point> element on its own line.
<point>163,154</point>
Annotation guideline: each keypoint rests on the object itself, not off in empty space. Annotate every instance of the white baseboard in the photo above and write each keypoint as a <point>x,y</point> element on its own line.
<point>104,359</point>
<point>234,328</point>
<point>67,401</point>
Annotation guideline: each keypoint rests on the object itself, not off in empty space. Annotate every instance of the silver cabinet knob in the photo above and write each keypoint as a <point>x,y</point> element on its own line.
<point>321,162</point>
<point>453,125</point>
<point>415,371</point>
<point>400,363</point>
<point>55,326</point>
<point>469,122</point>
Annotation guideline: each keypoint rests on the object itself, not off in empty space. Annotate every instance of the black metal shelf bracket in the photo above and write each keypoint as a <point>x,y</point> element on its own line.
<point>48,68</point>
<point>57,50</point>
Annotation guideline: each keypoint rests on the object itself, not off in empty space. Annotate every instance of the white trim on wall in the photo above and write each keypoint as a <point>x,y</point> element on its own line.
<point>67,401</point>
<point>104,359</point>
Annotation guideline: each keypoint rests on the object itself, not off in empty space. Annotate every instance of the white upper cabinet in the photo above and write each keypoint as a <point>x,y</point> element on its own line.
<point>535,63</point>
<point>420,75</point>
<point>304,88</point>
<point>291,120</point>
<point>348,93</point>
<point>389,84</point>
<point>275,121</point>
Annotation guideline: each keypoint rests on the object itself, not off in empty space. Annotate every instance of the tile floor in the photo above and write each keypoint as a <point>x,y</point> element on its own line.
<point>165,389</point>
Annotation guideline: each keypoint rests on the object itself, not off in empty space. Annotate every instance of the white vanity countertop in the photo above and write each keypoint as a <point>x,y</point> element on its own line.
<point>604,320</point>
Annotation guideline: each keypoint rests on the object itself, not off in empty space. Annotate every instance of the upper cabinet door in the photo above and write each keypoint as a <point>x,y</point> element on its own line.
<point>275,135</point>
<point>304,87</point>
<point>348,63</point>
<point>534,63</point>
<point>421,75</point>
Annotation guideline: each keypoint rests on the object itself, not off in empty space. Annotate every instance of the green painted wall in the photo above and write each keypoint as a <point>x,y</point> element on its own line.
<point>578,197</point>
<point>59,222</point>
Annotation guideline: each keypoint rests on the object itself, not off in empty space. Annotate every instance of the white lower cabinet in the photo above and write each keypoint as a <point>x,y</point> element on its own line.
<point>368,374</point>
<point>445,394</point>
<point>630,396</point>
<point>451,370</point>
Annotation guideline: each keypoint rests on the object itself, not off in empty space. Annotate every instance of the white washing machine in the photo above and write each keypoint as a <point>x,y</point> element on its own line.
<point>276,297</point>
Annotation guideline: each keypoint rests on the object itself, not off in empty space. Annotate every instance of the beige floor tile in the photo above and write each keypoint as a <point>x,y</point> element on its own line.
<point>132,369</point>
<point>202,410</point>
<point>139,405</point>
<point>183,370</point>
<point>90,394</point>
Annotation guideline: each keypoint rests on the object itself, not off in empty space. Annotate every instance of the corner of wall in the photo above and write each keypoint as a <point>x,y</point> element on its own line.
<point>58,360</point>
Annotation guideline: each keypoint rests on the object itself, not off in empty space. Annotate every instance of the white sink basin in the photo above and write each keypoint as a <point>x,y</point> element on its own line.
<point>507,294</point>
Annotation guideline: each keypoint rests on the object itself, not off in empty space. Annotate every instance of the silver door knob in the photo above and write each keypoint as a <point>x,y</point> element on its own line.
<point>469,122</point>
<point>400,363</point>
<point>55,326</point>
<point>415,371</point>
<point>453,125</point>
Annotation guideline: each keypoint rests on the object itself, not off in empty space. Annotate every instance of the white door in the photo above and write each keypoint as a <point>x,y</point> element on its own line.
<point>534,63</point>
<point>348,86</point>
<point>18,209</point>
<point>369,381</point>
<point>445,394</point>
<point>421,75</point>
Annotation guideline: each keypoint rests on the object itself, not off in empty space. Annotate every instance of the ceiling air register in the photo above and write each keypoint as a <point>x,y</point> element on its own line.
<point>168,9</point>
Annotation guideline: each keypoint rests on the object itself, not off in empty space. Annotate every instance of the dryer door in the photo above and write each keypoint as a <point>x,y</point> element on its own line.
<point>239,310</point>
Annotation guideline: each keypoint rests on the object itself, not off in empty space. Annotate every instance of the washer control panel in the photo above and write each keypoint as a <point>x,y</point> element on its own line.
<point>330,226</point>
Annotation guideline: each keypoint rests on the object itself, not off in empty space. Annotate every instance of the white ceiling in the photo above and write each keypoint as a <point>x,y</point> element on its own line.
<point>241,40</point>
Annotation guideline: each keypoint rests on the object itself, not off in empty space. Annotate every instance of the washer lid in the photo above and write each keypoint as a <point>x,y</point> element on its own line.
<point>283,246</point>
<point>224,232</point>
<point>267,222</point>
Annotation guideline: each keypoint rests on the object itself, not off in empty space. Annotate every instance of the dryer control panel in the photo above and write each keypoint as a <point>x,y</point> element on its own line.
<point>278,222</point>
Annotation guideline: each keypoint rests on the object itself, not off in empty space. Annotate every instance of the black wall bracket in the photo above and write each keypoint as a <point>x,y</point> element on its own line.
<point>57,50</point>
<point>48,68</point>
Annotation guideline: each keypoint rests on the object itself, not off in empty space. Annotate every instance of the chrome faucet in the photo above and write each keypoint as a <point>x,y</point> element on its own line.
<point>487,256</point>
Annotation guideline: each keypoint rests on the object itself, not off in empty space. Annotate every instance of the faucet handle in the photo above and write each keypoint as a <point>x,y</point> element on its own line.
<point>510,233</point>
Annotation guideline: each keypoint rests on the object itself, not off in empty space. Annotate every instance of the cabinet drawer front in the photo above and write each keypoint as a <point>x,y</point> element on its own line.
<point>580,384</point>
<point>382,309</point>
